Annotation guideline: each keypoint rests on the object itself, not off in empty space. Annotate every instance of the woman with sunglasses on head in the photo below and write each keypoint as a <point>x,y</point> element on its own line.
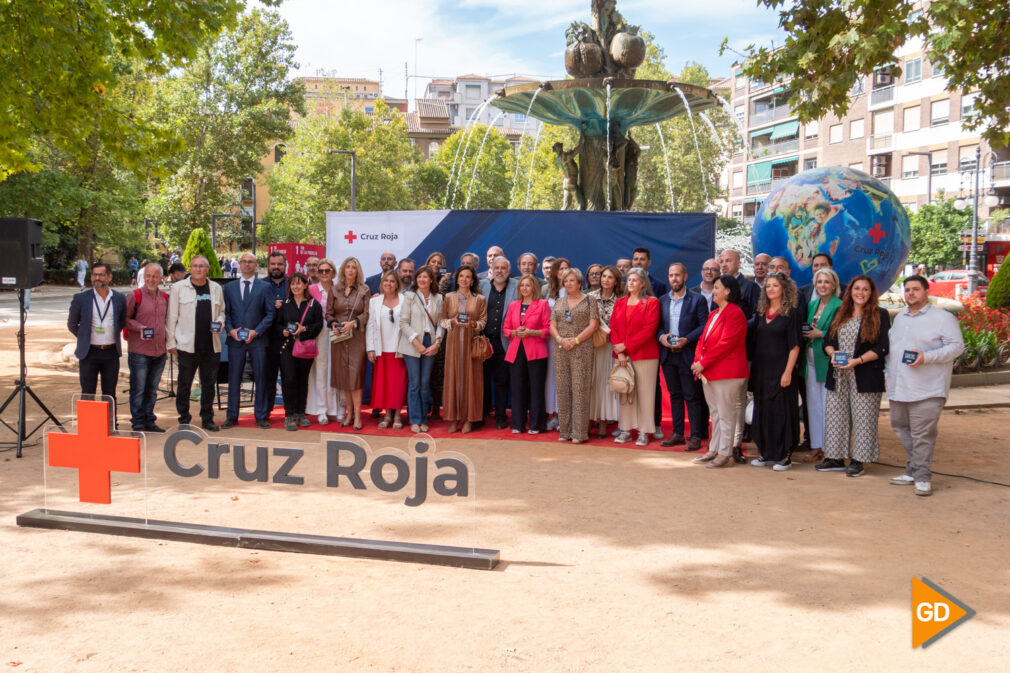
<point>302,312</point>
<point>324,401</point>
<point>347,317</point>
<point>420,341</point>
<point>382,340</point>
<point>775,337</point>
<point>855,381</point>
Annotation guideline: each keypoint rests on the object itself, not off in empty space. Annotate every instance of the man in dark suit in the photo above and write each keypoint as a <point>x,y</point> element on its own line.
<point>277,282</point>
<point>97,318</point>
<point>249,313</point>
<point>821,260</point>
<point>683,317</point>
<point>750,292</point>
<point>499,292</point>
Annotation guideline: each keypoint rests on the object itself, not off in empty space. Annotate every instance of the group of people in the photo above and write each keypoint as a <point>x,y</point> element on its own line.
<point>540,354</point>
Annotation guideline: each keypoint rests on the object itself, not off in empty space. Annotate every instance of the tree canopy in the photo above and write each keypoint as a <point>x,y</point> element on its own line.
<point>60,60</point>
<point>936,230</point>
<point>831,43</point>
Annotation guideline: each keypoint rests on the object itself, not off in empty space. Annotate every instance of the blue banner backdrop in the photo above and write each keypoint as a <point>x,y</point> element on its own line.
<point>583,237</point>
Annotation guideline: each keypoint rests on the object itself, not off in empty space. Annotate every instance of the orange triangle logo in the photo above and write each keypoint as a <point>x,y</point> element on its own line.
<point>934,612</point>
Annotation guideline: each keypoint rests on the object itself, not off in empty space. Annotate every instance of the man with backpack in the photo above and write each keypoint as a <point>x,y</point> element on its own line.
<point>146,312</point>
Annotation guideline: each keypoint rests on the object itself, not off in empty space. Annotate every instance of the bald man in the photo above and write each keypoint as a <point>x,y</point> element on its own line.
<point>761,268</point>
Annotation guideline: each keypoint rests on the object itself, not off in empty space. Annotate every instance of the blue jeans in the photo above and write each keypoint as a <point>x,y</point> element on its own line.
<point>145,373</point>
<point>419,399</point>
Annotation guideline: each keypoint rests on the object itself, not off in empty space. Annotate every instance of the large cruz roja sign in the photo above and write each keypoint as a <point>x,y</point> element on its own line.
<point>417,474</point>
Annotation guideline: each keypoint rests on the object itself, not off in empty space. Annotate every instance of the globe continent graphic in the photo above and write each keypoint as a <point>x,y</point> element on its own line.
<point>844,212</point>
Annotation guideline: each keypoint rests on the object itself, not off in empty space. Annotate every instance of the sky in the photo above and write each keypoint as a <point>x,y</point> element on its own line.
<point>355,38</point>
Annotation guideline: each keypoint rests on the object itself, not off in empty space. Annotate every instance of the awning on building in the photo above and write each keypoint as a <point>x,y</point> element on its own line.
<point>785,130</point>
<point>757,173</point>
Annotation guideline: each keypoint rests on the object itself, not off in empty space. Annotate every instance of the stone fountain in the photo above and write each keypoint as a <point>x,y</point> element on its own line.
<point>604,102</point>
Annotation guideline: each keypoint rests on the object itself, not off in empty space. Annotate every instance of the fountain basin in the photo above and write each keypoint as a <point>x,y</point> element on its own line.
<point>582,103</point>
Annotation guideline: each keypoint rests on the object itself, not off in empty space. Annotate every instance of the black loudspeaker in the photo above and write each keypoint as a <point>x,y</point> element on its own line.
<point>20,252</point>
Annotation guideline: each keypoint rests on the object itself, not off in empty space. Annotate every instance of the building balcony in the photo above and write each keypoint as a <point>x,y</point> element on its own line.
<point>737,191</point>
<point>776,147</point>
<point>1001,174</point>
<point>767,185</point>
<point>881,141</point>
<point>882,95</point>
<point>772,114</point>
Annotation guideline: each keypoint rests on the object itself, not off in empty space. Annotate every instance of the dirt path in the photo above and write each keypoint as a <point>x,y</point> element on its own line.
<point>613,560</point>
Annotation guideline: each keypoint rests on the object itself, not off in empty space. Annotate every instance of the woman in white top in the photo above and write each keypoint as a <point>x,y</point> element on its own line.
<point>324,400</point>
<point>420,340</point>
<point>389,378</point>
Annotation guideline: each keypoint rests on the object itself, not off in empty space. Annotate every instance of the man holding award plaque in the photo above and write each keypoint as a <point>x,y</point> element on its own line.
<point>925,341</point>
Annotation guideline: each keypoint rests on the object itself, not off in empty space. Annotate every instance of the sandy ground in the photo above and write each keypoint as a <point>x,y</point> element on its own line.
<point>612,560</point>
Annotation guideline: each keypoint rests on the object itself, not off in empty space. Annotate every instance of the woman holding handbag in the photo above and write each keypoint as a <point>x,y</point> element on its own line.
<point>382,337</point>
<point>420,342</point>
<point>464,314</point>
<point>299,320</point>
<point>604,406</point>
<point>633,326</point>
<point>346,316</point>
<point>323,399</point>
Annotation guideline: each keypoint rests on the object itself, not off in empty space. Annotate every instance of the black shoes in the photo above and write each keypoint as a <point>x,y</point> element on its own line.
<point>290,424</point>
<point>693,444</point>
<point>229,423</point>
<point>210,426</point>
<point>831,465</point>
<point>303,421</point>
<point>263,424</point>
<point>739,457</point>
<point>153,428</point>
<point>674,440</point>
<point>855,469</point>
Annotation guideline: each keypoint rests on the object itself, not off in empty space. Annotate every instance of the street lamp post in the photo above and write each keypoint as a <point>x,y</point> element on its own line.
<point>990,200</point>
<point>353,185</point>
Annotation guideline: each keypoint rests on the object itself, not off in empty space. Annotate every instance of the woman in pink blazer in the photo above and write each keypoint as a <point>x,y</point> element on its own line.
<point>527,322</point>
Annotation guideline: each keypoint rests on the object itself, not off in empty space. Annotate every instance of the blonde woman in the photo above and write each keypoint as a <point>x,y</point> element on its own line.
<point>324,401</point>
<point>389,382</point>
<point>347,316</point>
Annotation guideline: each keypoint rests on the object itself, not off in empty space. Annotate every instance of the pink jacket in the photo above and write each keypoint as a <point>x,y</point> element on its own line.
<point>316,291</point>
<point>538,316</point>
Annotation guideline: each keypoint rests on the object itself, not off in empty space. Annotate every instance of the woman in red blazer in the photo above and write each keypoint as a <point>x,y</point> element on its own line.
<point>527,320</point>
<point>633,326</point>
<point>720,359</point>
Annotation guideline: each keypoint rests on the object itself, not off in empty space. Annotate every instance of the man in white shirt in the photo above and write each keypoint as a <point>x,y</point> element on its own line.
<point>924,342</point>
<point>96,318</point>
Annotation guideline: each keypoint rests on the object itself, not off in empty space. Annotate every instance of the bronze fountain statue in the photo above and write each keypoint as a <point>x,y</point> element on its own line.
<point>604,102</point>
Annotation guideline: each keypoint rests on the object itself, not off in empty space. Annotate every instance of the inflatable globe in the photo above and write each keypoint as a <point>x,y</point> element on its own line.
<point>844,212</point>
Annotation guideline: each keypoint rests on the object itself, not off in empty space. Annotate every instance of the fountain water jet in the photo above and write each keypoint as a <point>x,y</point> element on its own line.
<point>476,163</point>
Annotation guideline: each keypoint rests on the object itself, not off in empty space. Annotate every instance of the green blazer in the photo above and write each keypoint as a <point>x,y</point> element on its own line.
<point>820,359</point>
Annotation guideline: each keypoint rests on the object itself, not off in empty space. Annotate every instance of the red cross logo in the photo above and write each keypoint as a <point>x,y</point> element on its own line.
<point>93,452</point>
<point>350,237</point>
<point>876,233</point>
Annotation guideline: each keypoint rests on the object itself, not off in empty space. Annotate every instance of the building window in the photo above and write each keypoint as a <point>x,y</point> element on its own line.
<point>369,110</point>
<point>279,152</point>
<point>966,158</point>
<point>859,87</point>
<point>740,82</point>
<point>910,166</point>
<point>835,134</point>
<point>913,70</point>
<point>856,127</point>
<point>469,113</point>
<point>432,147</point>
<point>938,162</point>
<point>519,118</point>
<point>811,129</point>
<point>738,111</point>
<point>737,179</point>
<point>912,115</point>
<point>937,69</point>
<point>968,105</point>
<point>939,112</point>
<point>809,163</point>
<point>914,15</point>
<point>911,206</point>
<point>473,91</point>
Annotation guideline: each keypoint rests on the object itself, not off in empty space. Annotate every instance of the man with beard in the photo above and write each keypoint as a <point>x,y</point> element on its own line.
<point>387,262</point>
<point>97,317</point>
<point>500,291</point>
<point>683,316</point>
<point>277,281</point>
<point>405,273</point>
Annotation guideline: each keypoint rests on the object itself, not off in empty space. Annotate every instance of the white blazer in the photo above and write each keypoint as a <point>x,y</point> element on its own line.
<point>413,321</point>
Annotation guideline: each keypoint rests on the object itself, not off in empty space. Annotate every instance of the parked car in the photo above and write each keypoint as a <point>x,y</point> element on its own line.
<point>954,283</point>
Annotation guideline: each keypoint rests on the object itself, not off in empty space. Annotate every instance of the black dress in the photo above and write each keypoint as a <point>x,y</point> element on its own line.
<point>775,427</point>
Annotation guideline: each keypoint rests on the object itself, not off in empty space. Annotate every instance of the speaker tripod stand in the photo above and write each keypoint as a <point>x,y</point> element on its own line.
<point>21,388</point>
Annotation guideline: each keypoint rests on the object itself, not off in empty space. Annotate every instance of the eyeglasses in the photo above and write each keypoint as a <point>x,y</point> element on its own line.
<point>568,315</point>
<point>326,270</point>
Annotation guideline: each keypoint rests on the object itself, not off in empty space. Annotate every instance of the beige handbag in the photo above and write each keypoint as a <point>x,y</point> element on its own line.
<point>336,338</point>
<point>622,382</point>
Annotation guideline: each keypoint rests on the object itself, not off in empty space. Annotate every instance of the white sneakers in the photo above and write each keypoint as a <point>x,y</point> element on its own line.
<point>323,420</point>
<point>658,434</point>
<point>923,488</point>
<point>902,480</point>
<point>757,462</point>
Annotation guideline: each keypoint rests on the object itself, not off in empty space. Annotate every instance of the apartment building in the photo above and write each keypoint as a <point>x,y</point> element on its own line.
<point>464,95</point>
<point>906,130</point>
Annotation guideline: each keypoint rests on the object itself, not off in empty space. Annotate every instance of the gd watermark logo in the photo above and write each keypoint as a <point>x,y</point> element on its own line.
<point>935,613</point>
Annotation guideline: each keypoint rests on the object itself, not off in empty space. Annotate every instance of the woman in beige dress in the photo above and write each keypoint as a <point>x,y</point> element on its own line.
<point>604,407</point>
<point>573,321</point>
<point>347,312</point>
<point>463,384</point>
